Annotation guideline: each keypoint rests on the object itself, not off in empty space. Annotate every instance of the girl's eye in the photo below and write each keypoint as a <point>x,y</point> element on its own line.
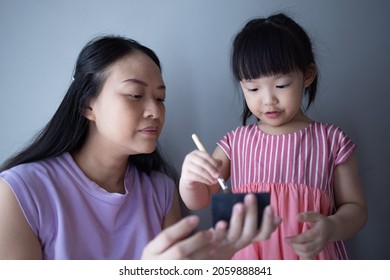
<point>162,100</point>
<point>282,86</point>
<point>253,89</point>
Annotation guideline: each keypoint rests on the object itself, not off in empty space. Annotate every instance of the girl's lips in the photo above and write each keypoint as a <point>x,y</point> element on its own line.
<point>272,115</point>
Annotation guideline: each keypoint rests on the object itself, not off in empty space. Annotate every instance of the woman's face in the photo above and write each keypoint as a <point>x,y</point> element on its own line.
<point>129,113</point>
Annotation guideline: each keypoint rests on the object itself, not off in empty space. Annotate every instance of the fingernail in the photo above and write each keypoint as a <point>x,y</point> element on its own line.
<point>249,198</point>
<point>238,208</point>
<point>193,219</point>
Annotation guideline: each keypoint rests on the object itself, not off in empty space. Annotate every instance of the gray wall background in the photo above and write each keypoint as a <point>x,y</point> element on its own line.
<point>40,40</point>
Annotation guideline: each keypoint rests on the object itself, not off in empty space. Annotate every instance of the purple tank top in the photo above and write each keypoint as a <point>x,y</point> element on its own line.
<point>76,219</point>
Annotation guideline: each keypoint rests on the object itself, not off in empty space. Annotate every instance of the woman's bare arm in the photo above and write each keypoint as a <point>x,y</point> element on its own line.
<point>17,240</point>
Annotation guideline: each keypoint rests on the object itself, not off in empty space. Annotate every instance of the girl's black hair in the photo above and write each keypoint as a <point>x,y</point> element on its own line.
<point>272,46</point>
<point>67,130</point>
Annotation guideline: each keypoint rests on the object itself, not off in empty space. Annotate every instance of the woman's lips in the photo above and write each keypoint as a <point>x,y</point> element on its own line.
<point>150,131</point>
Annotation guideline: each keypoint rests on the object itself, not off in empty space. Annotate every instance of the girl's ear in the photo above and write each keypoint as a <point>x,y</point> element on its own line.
<point>310,75</point>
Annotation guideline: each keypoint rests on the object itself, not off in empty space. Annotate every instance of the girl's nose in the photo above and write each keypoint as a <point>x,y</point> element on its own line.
<point>269,98</point>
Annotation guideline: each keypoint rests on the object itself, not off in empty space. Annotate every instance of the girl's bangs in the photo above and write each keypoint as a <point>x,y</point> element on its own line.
<point>267,54</point>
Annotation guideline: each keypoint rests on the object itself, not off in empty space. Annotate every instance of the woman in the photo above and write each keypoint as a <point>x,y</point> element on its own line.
<point>93,185</point>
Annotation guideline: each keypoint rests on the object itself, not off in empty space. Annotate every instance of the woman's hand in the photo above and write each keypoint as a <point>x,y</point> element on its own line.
<point>174,243</point>
<point>243,229</point>
<point>310,243</point>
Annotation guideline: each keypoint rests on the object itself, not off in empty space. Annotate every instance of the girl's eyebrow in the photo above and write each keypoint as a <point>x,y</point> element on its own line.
<point>283,75</point>
<point>142,83</point>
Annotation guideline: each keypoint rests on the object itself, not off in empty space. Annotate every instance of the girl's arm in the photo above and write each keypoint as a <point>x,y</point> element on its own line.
<point>198,180</point>
<point>17,240</point>
<point>351,214</point>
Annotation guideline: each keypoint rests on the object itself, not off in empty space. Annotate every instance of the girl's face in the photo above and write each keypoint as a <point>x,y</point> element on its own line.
<point>276,100</point>
<point>129,113</point>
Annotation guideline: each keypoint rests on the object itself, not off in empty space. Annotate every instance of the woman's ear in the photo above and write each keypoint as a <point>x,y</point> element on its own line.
<point>88,113</point>
<point>310,75</point>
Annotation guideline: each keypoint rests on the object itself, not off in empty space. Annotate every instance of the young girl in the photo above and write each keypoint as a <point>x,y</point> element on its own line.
<point>308,167</point>
<point>93,185</point>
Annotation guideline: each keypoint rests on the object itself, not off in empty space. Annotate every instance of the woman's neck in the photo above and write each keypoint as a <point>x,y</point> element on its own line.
<point>106,170</point>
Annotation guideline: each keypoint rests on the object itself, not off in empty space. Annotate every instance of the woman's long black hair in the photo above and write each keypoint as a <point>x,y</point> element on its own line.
<point>272,46</point>
<point>67,130</point>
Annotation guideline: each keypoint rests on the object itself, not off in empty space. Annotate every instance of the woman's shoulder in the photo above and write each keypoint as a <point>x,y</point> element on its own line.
<point>36,168</point>
<point>34,176</point>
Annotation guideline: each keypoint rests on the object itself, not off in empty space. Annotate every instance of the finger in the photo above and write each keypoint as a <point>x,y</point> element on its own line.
<point>305,251</point>
<point>250,221</point>
<point>197,246</point>
<point>236,222</point>
<point>173,234</point>
<point>198,175</point>
<point>220,231</point>
<point>301,238</point>
<point>207,161</point>
<point>310,216</point>
<point>198,166</point>
<point>269,224</point>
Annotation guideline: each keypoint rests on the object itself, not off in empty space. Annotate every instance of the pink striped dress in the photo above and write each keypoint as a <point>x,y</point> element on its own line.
<point>297,169</point>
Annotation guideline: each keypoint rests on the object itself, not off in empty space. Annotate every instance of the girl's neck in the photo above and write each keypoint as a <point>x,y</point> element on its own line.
<point>298,123</point>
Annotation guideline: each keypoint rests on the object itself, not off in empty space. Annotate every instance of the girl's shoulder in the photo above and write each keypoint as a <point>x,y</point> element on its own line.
<point>327,128</point>
<point>243,129</point>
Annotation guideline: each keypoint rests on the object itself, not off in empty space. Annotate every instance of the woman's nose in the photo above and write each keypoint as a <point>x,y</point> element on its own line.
<point>152,109</point>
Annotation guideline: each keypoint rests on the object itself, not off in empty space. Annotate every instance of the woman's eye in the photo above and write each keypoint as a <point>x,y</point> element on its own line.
<point>135,96</point>
<point>253,89</point>
<point>162,100</point>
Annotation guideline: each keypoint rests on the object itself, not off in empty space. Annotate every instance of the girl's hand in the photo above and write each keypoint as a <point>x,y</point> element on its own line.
<point>309,244</point>
<point>199,167</point>
<point>243,229</point>
<point>198,179</point>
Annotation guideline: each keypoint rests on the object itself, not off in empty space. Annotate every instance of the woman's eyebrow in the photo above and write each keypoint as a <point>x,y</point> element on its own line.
<point>142,83</point>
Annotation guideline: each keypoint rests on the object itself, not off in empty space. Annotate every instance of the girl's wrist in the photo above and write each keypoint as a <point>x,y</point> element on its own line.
<point>331,228</point>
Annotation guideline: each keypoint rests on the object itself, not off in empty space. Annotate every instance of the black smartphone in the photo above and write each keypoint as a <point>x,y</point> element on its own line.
<point>222,204</point>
